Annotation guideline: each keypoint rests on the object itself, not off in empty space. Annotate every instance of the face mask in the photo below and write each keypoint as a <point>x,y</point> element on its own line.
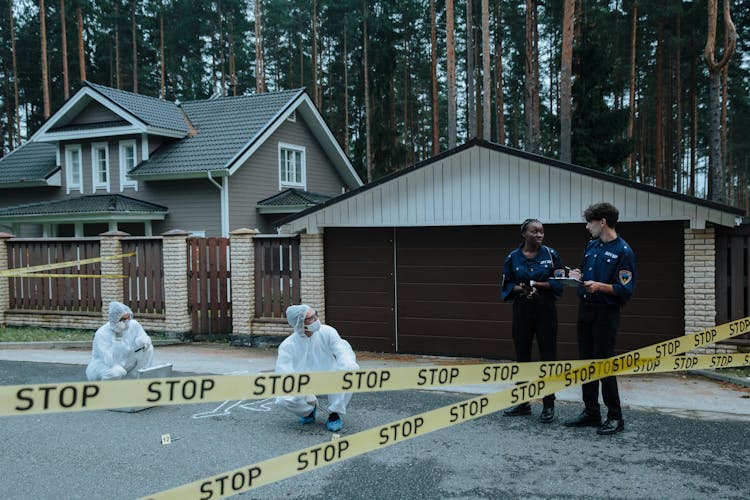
<point>314,326</point>
<point>121,326</point>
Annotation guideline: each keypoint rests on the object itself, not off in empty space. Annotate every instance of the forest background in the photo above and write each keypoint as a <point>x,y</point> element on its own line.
<point>657,91</point>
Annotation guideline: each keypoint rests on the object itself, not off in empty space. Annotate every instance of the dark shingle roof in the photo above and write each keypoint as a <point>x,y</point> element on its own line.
<point>293,197</point>
<point>152,111</point>
<point>223,126</point>
<point>34,161</point>
<point>90,204</point>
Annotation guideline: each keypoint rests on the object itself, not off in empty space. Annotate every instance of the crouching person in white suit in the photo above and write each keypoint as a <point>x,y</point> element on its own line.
<point>314,347</point>
<point>121,346</point>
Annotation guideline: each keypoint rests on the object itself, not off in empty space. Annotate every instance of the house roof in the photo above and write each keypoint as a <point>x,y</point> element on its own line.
<point>223,127</point>
<point>92,206</point>
<point>290,200</point>
<point>30,164</point>
<point>482,183</point>
<point>150,110</point>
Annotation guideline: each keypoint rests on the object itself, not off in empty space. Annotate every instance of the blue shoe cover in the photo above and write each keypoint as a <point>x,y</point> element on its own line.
<point>309,418</point>
<point>334,425</point>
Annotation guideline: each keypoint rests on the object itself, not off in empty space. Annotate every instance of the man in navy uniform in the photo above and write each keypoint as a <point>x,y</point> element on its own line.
<point>608,275</point>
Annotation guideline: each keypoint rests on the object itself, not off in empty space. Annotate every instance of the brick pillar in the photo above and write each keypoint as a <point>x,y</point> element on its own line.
<point>4,292</point>
<point>312,286</point>
<point>700,279</point>
<point>174,255</point>
<point>242,264</point>
<point>112,288</point>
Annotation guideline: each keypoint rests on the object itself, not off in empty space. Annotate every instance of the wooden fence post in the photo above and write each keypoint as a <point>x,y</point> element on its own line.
<point>112,289</point>
<point>4,292</point>
<point>177,316</point>
<point>242,264</point>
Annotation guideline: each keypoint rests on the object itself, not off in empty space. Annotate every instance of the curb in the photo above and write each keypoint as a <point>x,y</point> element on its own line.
<point>72,344</point>
<point>744,382</point>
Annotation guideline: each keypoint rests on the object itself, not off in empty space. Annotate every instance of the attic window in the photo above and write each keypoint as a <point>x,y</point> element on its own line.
<point>292,117</point>
<point>291,166</point>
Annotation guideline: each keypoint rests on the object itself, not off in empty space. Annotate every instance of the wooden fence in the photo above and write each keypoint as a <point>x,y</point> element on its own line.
<point>277,274</point>
<point>732,277</point>
<point>209,275</point>
<point>144,285</point>
<point>55,294</point>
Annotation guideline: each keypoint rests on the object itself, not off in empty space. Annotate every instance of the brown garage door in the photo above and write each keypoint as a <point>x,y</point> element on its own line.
<point>448,297</point>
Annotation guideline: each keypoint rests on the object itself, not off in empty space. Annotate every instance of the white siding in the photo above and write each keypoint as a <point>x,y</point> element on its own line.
<point>481,186</point>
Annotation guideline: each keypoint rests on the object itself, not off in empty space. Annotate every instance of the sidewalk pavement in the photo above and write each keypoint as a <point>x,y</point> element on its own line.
<point>681,394</point>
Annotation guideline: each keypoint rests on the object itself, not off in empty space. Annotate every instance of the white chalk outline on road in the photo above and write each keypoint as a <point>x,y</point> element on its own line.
<point>221,410</point>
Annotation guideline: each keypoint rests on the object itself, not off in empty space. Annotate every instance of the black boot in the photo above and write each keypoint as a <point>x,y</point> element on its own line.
<point>522,409</point>
<point>548,415</point>
<point>585,419</point>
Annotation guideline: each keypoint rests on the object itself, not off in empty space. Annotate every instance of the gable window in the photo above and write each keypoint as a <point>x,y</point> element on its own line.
<point>291,166</point>
<point>100,165</point>
<point>73,168</point>
<point>127,163</point>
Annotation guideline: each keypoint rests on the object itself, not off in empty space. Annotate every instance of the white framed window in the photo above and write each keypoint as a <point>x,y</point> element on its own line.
<point>292,166</point>
<point>100,166</point>
<point>127,163</point>
<point>73,168</point>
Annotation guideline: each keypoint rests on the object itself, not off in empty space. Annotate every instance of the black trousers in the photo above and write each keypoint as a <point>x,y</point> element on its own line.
<point>597,332</point>
<point>536,316</point>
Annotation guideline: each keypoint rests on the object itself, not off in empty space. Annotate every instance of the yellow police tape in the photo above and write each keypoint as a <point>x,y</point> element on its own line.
<point>82,396</point>
<point>645,360</point>
<point>31,271</point>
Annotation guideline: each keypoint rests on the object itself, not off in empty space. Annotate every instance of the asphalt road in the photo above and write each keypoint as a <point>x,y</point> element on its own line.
<point>114,455</point>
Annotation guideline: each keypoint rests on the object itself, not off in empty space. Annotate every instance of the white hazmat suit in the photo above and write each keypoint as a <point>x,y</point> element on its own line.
<point>324,350</point>
<point>120,347</point>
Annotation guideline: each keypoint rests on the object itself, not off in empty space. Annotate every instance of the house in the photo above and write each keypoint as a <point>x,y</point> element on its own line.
<point>412,262</point>
<point>114,160</point>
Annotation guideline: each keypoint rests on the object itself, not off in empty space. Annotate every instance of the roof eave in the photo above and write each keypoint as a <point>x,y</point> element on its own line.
<point>199,174</point>
<point>85,217</point>
<point>282,209</point>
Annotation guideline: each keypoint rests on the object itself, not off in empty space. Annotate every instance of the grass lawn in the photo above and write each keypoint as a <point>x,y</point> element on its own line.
<point>36,334</point>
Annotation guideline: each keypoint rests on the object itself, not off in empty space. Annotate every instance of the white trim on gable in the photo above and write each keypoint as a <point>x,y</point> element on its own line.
<point>96,181</point>
<point>302,106</point>
<point>73,154</point>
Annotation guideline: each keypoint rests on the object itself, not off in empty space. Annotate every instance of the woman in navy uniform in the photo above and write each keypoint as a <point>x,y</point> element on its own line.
<point>608,275</point>
<point>526,273</point>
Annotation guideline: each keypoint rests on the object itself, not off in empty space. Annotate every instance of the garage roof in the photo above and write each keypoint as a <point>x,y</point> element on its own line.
<point>482,183</point>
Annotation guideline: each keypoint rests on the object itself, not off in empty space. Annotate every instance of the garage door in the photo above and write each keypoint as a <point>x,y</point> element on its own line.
<point>441,287</point>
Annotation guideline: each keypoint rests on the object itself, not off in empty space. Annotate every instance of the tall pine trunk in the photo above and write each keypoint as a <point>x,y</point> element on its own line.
<point>163,69</point>
<point>678,92</point>
<point>470,105</point>
<point>451,69</point>
<point>15,77</point>
<point>64,46</point>
<point>315,53</point>
<point>486,88</point>
<point>368,111</point>
<point>134,32</point>
<point>659,120</point>
<point>81,52</point>
<point>566,75</point>
<point>45,69</point>
<point>499,96</point>
<point>531,87</point>
<point>631,116</point>
<point>260,67</point>
<point>718,178</point>
<point>117,43</point>
<point>345,57</point>
<point>434,82</point>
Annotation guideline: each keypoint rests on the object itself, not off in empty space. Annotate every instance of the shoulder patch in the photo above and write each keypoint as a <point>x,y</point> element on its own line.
<point>625,276</point>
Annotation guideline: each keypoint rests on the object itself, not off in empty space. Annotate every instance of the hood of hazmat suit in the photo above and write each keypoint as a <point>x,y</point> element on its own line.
<point>120,347</point>
<point>324,350</point>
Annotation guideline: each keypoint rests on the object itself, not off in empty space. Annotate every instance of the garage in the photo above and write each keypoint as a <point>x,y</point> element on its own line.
<point>435,290</point>
<point>411,263</point>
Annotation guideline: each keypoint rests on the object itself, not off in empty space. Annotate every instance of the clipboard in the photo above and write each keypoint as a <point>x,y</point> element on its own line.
<point>568,281</point>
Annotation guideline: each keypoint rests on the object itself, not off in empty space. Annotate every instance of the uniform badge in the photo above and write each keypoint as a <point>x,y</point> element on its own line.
<point>625,276</point>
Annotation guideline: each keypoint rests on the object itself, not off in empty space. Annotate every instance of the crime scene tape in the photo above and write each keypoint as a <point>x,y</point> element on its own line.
<point>297,462</point>
<point>83,396</point>
<point>31,271</point>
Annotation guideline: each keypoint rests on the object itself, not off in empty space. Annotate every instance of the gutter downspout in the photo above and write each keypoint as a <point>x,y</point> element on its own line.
<point>223,203</point>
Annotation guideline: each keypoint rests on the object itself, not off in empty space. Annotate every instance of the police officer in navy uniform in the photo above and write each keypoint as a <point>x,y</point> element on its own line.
<point>608,275</point>
<point>525,281</point>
